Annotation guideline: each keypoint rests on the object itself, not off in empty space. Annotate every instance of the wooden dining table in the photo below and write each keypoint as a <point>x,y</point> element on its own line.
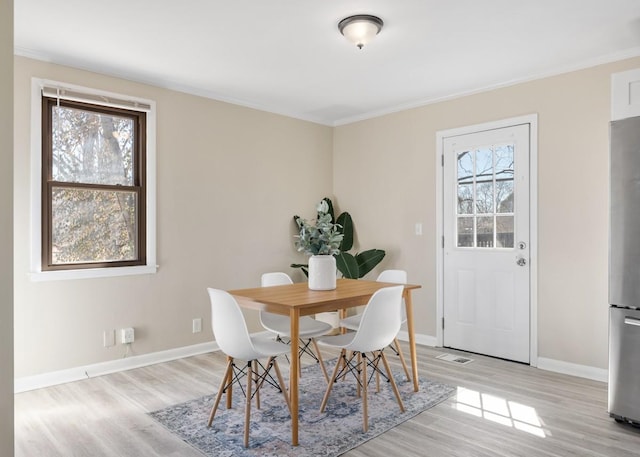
<point>296,300</point>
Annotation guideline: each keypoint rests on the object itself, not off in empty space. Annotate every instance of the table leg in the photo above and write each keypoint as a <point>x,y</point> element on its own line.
<point>294,315</point>
<point>412,338</point>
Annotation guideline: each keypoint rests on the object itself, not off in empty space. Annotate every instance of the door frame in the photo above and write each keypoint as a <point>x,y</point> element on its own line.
<point>532,120</point>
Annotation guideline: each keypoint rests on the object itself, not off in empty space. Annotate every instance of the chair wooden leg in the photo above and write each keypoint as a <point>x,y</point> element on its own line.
<point>358,363</point>
<point>282,384</point>
<point>247,413</point>
<point>227,373</point>
<point>255,371</point>
<point>322,367</point>
<point>393,383</point>
<point>332,380</point>
<point>404,363</point>
<point>377,375</point>
<point>365,409</point>
<point>230,390</point>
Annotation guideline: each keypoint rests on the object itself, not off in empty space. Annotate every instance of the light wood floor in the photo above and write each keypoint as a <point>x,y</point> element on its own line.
<point>501,409</point>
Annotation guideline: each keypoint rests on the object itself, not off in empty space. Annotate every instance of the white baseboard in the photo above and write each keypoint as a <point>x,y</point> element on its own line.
<point>582,371</point>
<point>53,378</point>
<point>98,369</point>
<point>558,366</point>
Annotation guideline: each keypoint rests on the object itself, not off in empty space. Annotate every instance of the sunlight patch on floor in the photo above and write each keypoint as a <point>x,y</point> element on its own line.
<point>499,410</point>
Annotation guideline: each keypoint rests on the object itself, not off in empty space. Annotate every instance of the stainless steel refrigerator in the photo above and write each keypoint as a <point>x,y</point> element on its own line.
<point>624,271</point>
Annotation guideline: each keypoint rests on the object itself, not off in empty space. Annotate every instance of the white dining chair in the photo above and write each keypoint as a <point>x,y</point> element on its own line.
<point>379,324</point>
<point>280,325</point>
<point>231,335</point>
<point>353,322</point>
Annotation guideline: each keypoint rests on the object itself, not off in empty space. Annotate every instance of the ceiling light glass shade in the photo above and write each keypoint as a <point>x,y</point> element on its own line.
<point>360,29</point>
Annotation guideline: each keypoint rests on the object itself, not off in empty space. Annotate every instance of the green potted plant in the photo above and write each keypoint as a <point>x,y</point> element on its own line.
<point>321,241</point>
<point>335,238</point>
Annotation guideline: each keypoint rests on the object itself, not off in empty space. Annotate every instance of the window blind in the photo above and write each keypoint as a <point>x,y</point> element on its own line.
<point>66,93</point>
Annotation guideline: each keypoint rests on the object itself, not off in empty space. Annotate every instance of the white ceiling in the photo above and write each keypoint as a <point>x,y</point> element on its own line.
<point>287,56</point>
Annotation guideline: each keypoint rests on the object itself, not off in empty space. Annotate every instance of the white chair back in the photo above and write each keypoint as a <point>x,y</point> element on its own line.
<point>275,279</point>
<point>394,276</point>
<point>229,327</point>
<point>380,320</point>
<point>271,320</point>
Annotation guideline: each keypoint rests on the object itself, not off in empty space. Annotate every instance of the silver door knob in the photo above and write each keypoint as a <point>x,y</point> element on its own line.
<point>521,261</point>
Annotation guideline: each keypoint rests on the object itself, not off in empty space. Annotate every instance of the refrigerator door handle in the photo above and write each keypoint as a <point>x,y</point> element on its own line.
<point>631,321</point>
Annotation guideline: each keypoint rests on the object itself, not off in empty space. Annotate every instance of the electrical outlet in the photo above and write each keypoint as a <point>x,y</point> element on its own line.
<point>127,335</point>
<point>109,338</point>
<point>197,325</point>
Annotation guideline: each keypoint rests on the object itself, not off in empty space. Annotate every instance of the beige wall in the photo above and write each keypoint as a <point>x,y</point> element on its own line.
<point>6,228</point>
<point>399,151</point>
<point>229,181</point>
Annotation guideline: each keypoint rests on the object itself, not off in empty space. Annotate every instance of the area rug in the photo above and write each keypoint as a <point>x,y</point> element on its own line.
<point>327,434</point>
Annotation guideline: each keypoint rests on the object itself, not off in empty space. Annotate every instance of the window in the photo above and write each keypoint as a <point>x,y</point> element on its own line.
<point>93,185</point>
<point>96,198</point>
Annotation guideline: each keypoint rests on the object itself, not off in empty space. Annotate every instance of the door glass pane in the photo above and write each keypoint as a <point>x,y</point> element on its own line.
<point>504,178</point>
<point>465,182</point>
<point>504,196</point>
<point>465,199</point>
<point>484,230</point>
<point>504,161</point>
<point>484,198</point>
<point>465,232</point>
<point>484,164</point>
<point>465,167</point>
<point>484,181</point>
<point>504,231</point>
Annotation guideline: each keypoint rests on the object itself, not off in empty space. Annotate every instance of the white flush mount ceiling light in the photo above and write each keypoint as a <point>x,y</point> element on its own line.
<point>360,29</point>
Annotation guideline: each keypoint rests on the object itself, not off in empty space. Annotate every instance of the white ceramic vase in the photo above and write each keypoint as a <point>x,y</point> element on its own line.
<point>322,272</point>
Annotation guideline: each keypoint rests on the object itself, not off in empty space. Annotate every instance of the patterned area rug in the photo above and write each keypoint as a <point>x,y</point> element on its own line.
<point>327,434</point>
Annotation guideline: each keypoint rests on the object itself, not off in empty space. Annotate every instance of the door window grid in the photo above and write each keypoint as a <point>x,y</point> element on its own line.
<point>485,191</point>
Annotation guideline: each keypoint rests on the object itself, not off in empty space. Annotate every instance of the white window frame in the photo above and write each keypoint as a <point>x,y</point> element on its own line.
<point>36,273</point>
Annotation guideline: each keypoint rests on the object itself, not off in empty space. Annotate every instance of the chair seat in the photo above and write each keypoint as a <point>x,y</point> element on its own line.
<point>337,341</point>
<point>309,327</point>
<point>267,347</point>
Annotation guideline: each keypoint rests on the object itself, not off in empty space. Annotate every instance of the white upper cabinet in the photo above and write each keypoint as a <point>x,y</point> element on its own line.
<point>625,94</point>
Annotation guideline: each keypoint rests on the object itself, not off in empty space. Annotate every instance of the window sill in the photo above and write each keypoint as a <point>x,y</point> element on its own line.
<point>37,276</point>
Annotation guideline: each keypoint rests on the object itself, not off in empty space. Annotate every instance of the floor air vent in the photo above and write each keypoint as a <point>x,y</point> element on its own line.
<point>455,359</point>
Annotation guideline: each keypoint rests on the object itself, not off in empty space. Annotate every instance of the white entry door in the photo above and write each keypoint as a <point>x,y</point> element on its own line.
<point>486,243</point>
